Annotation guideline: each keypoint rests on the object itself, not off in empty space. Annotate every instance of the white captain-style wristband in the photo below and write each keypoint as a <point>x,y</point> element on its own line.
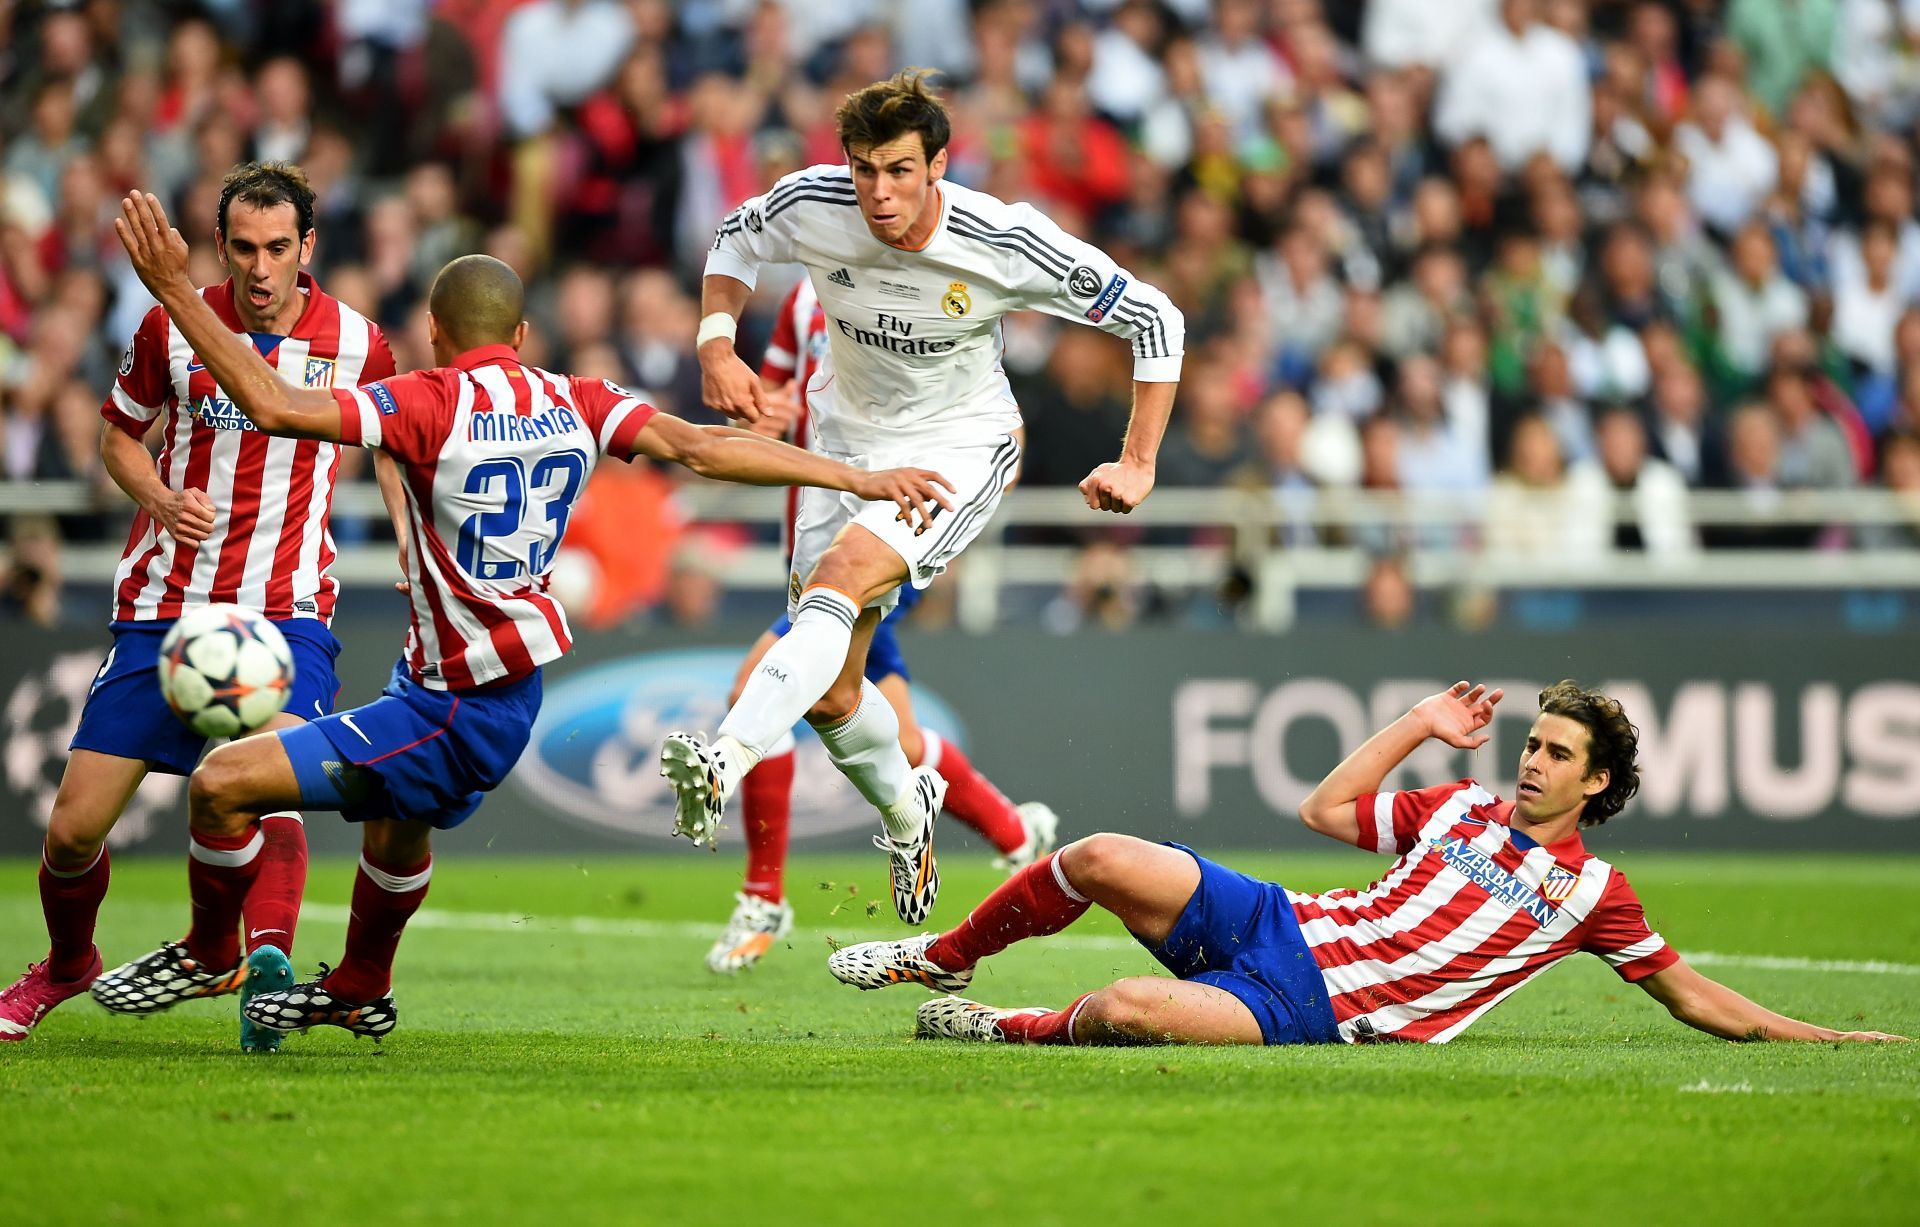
<point>718,324</point>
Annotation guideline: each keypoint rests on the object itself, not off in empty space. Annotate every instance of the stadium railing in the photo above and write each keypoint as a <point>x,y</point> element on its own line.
<point>1239,530</point>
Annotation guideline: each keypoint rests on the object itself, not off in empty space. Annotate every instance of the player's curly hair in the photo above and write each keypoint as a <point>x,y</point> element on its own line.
<point>265,184</point>
<point>888,110</point>
<point>1613,745</point>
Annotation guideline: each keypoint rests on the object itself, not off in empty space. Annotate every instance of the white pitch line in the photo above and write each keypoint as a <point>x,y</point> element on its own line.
<point>600,926</point>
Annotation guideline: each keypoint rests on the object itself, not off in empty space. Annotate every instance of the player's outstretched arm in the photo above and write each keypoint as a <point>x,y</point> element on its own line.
<point>1709,1006</point>
<point>726,454</point>
<point>159,256</point>
<point>1455,715</point>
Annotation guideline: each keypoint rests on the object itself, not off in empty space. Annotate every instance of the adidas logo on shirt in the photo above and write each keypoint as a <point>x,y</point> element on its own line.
<point>840,277</point>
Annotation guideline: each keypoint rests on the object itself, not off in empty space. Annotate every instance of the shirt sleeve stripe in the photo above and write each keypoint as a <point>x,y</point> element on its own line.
<point>1382,817</point>
<point>359,418</point>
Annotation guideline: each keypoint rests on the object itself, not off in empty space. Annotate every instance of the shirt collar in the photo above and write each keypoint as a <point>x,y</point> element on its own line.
<point>486,355</point>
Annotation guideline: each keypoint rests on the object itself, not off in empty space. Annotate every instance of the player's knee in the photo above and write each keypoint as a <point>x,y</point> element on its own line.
<point>1096,862</point>
<point>213,794</point>
<point>395,842</point>
<point>74,836</point>
<point>1126,1007</point>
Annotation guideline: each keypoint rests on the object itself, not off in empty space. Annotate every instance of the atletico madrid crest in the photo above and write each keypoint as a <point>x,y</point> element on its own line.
<point>319,373</point>
<point>1558,884</point>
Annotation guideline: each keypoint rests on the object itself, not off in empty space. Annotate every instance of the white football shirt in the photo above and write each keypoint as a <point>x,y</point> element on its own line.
<point>914,355</point>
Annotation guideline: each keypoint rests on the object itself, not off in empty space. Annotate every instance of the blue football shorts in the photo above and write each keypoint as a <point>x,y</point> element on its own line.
<point>413,753</point>
<point>127,716</point>
<point>1239,934</point>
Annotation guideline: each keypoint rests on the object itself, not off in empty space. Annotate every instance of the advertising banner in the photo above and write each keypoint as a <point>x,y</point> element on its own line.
<point>1748,741</point>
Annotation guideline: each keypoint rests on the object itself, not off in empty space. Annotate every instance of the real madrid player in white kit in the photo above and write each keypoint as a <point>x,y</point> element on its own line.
<point>913,275</point>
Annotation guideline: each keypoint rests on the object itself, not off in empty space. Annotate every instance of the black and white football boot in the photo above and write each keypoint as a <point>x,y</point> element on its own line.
<point>916,877</point>
<point>161,980</point>
<point>311,1005</point>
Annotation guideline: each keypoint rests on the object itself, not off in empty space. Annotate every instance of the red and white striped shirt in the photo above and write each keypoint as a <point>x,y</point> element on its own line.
<point>494,454</point>
<point>1470,912</point>
<point>795,351</point>
<point>270,547</point>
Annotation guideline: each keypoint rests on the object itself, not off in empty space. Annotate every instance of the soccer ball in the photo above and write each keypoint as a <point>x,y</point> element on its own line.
<point>225,670</point>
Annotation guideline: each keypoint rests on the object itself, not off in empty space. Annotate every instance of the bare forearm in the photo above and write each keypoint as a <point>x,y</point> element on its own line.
<point>1147,426</point>
<point>1364,770</point>
<point>387,474</point>
<point>724,294</point>
<point>753,460</point>
<point>131,466</point>
<point>1721,1011</point>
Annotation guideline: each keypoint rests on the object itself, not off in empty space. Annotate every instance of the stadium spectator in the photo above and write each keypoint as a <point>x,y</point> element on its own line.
<point>1754,302</point>
<point>1641,498</point>
<point>1534,514</point>
<point>1682,434</point>
<point>1783,41</point>
<point>1730,167</point>
<point>1522,85</point>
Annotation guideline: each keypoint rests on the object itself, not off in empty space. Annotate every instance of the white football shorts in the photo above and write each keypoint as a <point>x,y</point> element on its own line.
<point>980,476</point>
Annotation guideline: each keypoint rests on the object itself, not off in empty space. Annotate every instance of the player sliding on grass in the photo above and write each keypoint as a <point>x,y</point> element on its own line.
<point>1486,895</point>
<point>1020,833</point>
<point>493,454</point>
<point>914,275</point>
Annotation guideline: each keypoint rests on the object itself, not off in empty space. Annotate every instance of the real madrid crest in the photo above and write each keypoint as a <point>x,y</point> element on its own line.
<point>956,301</point>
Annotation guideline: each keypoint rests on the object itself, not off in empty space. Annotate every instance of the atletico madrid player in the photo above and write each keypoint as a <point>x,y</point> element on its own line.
<point>1486,895</point>
<point>229,515</point>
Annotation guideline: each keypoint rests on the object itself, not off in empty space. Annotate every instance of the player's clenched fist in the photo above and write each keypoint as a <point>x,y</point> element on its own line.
<point>915,491</point>
<point>186,514</point>
<point>1118,486</point>
<point>728,384</point>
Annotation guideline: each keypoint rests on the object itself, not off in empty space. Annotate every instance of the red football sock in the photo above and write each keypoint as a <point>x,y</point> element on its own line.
<point>220,871</point>
<point>1054,1028</point>
<point>1032,903</point>
<point>272,908</point>
<point>70,900</point>
<point>384,899</point>
<point>972,798</point>
<point>766,809</point>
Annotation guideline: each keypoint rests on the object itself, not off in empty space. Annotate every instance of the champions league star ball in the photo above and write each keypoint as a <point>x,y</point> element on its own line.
<point>225,670</point>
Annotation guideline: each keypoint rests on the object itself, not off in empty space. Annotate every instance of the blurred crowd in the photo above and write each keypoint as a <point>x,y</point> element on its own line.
<point>1551,256</point>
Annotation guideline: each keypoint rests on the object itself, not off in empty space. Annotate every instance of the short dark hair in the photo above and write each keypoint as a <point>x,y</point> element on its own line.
<point>477,300</point>
<point>1613,745</point>
<point>265,184</point>
<point>887,110</point>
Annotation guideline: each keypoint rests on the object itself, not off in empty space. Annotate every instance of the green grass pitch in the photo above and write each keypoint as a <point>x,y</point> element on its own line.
<point>563,1056</point>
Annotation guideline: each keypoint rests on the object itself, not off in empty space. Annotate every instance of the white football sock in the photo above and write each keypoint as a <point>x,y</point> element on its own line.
<point>794,673</point>
<point>866,748</point>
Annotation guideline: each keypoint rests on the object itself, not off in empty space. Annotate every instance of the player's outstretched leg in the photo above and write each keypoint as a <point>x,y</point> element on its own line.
<point>808,662</point>
<point>226,795</point>
<point>396,866</point>
<point>1138,1010</point>
<point>74,870</point>
<point>1146,885</point>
